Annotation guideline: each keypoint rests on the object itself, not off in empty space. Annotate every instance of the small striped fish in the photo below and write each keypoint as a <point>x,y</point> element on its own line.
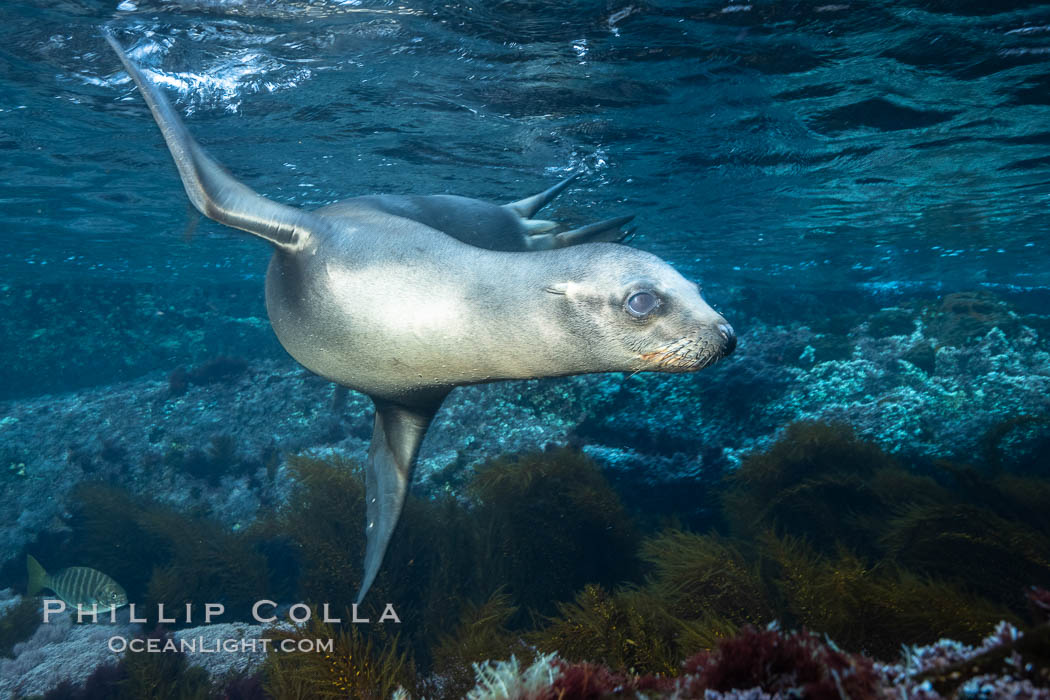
<point>78,586</point>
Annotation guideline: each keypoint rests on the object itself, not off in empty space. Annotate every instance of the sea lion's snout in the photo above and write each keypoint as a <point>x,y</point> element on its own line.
<point>728,339</point>
<point>703,348</point>
<point>667,322</point>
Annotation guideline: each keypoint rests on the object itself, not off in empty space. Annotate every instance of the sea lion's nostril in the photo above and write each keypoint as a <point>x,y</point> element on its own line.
<point>729,336</point>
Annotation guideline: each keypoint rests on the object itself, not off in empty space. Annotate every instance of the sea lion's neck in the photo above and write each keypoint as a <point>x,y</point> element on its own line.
<point>524,328</point>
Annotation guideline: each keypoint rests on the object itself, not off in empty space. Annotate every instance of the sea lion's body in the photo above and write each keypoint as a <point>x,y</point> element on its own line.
<point>391,309</point>
<point>406,297</point>
<point>473,221</point>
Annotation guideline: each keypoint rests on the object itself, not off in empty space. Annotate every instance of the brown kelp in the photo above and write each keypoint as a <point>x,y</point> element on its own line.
<point>356,667</point>
<point>482,633</point>
<point>163,556</point>
<point>551,524</point>
<point>623,629</point>
<point>537,556</point>
<point>322,520</point>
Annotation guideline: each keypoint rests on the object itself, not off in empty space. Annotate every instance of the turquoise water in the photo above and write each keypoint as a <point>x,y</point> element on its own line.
<point>860,188</point>
<point>822,145</point>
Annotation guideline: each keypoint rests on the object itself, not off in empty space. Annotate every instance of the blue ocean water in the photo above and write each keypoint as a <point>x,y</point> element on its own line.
<point>860,188</point>
<point>827,145</point>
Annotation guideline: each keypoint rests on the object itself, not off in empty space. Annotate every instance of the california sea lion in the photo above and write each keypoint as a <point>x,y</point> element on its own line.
<point>406,298</point>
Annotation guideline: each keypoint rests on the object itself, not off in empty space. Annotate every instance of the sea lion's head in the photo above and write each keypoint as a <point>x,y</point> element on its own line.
<point>640,314</point>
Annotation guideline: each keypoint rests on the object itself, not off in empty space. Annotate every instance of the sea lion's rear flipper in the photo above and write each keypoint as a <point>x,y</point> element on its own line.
<point>525,208</point>
<point>608,230</point>
<point>398,433</point>
<point>602,231</point>
<point>538,236</point>
<point>211,189</point>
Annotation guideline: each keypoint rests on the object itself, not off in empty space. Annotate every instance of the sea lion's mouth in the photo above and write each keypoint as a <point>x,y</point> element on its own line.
<point>686,355</point>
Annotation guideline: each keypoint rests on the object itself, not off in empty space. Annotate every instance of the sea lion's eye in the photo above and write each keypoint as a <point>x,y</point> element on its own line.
<point>641,304</point>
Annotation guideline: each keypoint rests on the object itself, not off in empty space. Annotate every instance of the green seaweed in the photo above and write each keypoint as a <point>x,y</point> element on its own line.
<point>324,520</point>
<point>822,482</point>
<point>698,576</point>
<point>431,567</point>
<point>970,546</point>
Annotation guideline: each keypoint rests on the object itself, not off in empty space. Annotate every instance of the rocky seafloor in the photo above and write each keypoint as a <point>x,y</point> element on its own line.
<point>944,380</point>
<point>965,376</point>
<point>755,664</point>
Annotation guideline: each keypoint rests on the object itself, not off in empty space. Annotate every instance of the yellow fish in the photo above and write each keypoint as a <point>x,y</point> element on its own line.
<point>78,586</point>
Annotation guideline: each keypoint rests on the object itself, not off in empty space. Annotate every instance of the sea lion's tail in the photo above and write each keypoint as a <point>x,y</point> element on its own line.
<point>213,190</point>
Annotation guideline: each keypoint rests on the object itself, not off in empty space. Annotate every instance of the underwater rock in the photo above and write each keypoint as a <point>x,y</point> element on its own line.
<point>773,663</point>
<point>1018,445</point>
<point>63,653</point>
<point>60,651</point>
<point>891,321</point>
<point>657,437</point>
<point>123,331</point>
<point>248,659</point>
<point>19,619</point>
<point>965,316</point>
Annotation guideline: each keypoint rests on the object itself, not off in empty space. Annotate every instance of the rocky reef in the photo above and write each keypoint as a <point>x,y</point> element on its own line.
<point>767,604</point>
<point>947,378</point>
<point>782,523</point>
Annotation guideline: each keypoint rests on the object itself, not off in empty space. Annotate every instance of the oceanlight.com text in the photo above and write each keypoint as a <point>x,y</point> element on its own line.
<point>136,645</point>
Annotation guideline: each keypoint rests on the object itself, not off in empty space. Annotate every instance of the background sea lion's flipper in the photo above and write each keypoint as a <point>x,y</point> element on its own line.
<point>211,189</point>
<point>398,433</point>
<point>608,230</point>
<point>538,235</point>
<point>603,231</point>
<point>525,208</point>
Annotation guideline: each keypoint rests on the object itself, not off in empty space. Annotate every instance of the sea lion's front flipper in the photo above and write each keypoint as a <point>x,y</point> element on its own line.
<point>398,433</point>
<point>211,189</point>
